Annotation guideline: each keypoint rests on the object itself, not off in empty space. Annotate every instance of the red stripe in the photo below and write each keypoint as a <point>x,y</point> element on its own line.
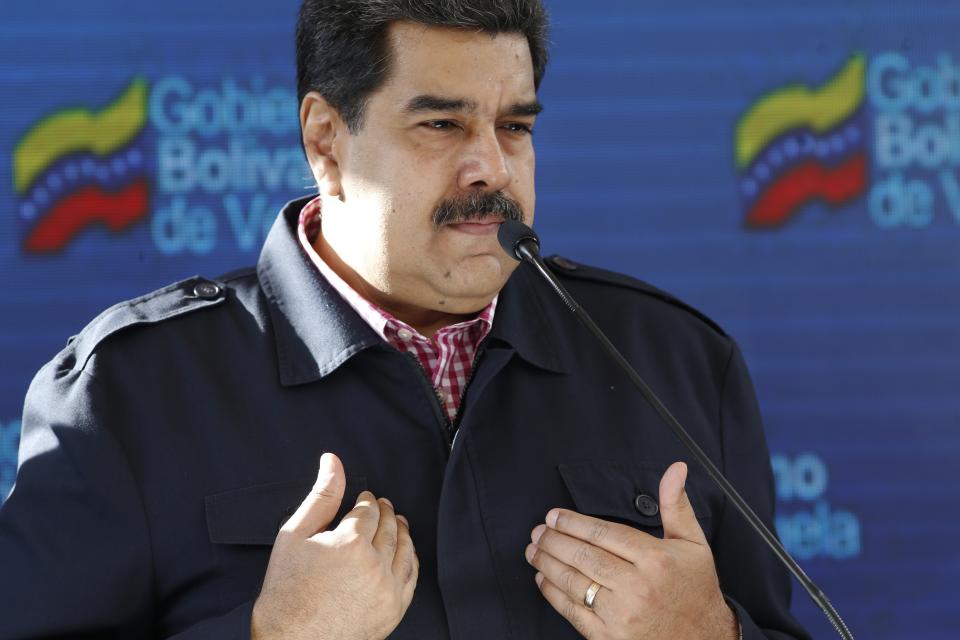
<point>805,182</point>
<point>86,207</point>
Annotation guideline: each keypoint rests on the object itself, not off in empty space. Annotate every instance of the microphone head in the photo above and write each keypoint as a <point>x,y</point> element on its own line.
<point>513,234</point>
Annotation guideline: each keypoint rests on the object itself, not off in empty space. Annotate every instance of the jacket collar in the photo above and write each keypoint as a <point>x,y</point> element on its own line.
<point>316,330</point>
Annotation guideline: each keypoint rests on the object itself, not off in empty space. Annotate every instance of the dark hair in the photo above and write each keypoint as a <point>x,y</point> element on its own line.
<point>343,52</point>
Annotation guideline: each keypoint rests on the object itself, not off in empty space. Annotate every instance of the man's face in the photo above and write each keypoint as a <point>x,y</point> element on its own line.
<point>452,120</point>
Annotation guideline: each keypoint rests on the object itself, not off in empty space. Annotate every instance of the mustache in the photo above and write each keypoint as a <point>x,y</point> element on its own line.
<point>476,206</point>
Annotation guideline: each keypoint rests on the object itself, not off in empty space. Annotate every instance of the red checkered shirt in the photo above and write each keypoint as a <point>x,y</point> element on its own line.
<point>447,359</point>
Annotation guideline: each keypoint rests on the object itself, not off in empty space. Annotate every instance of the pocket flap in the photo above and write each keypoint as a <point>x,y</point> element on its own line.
<point>631,493</point>
<point>254,515</point>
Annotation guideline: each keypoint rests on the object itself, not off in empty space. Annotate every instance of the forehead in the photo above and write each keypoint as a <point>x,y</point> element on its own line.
<point>487,68</point>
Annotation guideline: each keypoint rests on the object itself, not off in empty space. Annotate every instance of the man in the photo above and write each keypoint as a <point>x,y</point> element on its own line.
<point>526,491</point>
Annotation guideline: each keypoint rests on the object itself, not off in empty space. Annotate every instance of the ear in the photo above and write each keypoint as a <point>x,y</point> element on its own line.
<point>320,124</point>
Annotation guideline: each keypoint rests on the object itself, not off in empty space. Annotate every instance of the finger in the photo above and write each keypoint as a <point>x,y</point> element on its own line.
<point>319,508</point>
<point>404,560</point>
<point>406,564</point>
<point>595,563</point>
<point>618,539</point>
<point>410,586</point>
<point>364,518</point>
<point>385,539</point>
<point>566,578</point>
<point>587,623</point>
<point>676,512</point>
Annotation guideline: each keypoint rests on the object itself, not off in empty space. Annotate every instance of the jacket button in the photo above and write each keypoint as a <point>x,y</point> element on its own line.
<point>564,263</point>
<point>206,290</point>
<point>646,505</point>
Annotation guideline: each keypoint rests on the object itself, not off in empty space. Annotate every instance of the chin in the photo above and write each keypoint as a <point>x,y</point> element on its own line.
<point>479,278</point>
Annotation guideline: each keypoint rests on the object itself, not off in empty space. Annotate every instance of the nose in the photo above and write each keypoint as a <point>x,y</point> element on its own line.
<point>484,164</point>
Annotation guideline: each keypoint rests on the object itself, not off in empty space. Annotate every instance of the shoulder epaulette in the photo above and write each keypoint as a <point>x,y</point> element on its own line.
<point>566,267</point>
<point>171,301</point>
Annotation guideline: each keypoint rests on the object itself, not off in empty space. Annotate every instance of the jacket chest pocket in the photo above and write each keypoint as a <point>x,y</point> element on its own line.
<point>626,493</point>
<point>243,524</point>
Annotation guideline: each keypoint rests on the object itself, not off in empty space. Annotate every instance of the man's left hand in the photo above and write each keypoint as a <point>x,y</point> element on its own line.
<point>649,588</point>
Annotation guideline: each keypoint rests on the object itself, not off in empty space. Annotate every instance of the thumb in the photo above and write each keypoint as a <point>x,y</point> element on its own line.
<point>322,503</point>
<point>676,512</point>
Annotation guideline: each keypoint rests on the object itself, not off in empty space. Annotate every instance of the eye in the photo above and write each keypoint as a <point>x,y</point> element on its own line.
<point>439,125</point>
<point>518,127</point>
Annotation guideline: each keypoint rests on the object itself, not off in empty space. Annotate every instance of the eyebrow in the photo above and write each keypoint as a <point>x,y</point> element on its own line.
<point>428,102</point>
<point>531,108</point>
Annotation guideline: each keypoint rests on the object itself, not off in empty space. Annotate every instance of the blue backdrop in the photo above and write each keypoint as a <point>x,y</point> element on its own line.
<point>793,170</point>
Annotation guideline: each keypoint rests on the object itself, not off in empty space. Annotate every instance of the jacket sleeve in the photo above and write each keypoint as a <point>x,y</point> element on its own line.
<point>75,546</point>
<point>752,578</point>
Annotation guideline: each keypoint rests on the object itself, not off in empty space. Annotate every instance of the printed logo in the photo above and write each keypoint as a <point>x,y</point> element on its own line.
<point>200,164</point>
<point>77,168</point>
<point>888,117</point>
<point>795,145</point>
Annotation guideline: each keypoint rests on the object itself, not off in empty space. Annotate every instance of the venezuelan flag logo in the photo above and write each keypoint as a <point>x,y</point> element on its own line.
<point>796,145</point>
<point>78,167</point>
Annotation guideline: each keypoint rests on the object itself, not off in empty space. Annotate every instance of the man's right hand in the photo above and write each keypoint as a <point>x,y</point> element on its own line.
<point>352,583</point>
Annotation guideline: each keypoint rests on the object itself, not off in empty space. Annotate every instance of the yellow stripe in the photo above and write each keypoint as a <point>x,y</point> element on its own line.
<point>795,106</point>
<point>79,129</point>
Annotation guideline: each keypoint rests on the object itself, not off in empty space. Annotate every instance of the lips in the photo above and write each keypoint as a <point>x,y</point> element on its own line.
<point>478,228</point>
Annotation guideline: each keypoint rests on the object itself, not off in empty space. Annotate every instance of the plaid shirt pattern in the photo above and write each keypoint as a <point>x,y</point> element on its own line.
<point>447,360</point>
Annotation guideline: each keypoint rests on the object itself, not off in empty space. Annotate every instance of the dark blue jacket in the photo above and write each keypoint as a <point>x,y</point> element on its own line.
<point>164,446</point>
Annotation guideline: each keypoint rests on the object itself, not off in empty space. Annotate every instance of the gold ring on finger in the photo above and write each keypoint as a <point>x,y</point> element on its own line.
<point>591,595</point>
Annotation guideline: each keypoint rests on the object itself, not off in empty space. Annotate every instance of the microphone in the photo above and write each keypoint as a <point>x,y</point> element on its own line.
<point>521,243</point>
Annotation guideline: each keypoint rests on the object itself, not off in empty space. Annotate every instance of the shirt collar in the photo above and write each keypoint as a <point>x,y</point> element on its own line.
<point>316,330</point>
